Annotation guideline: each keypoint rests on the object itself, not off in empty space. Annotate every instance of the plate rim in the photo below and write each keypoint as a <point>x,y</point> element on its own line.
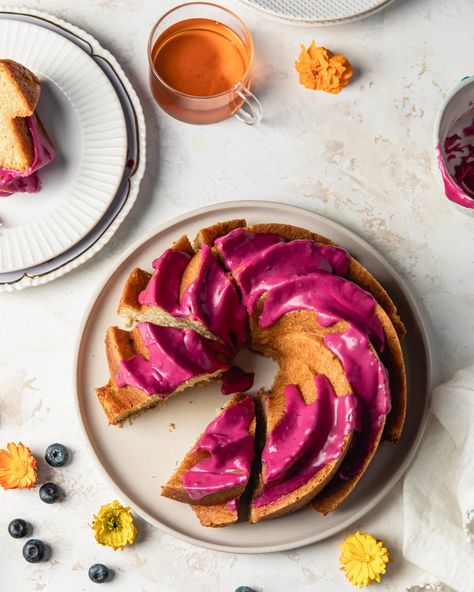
<point>316,22</point>
<point>219,209</point>
<point>120,127</point>
<point>135,176</point>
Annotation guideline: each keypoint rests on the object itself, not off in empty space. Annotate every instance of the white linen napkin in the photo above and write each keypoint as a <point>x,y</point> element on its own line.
<point>438,490</point>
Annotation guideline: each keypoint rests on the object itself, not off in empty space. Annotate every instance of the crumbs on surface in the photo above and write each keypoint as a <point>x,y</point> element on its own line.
<point>171,427</point>
<point>319,69</point>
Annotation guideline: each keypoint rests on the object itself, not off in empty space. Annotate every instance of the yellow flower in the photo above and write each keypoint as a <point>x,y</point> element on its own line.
<point>319,69</point>
<point>363,558</point>
<point>113,526</point>
<point>17,467</point>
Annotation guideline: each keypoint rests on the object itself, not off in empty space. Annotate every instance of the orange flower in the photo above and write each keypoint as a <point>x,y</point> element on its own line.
<point>319,69</point>
<point>17,467</point>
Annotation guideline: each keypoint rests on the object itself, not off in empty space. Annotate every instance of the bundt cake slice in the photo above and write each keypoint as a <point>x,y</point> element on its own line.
<point>188,291</point>
<point>216,470</point>
<point>151,363</point>
<point>309,431</point>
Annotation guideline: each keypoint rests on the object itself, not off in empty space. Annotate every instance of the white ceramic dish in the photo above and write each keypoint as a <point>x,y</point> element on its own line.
<point>132,172</point>
<point>139,458</point>
<point>83,116</point>
<point>458,103</point>
<point>318,12</point>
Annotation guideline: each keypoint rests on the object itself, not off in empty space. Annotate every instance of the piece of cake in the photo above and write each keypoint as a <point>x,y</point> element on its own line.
<point>25,145</point>
<point>217,468</point>
<point>187,290</point>
<point>150,363</point>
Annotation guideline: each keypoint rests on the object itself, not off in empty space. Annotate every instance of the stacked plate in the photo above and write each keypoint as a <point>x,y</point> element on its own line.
<point>96,122</point>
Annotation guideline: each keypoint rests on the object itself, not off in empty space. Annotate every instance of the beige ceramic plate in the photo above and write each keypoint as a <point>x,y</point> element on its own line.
<point>140,457</point>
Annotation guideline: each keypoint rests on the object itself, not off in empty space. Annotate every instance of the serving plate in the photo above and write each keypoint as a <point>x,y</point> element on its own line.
<point>137,459</point>
<point>131,173</point>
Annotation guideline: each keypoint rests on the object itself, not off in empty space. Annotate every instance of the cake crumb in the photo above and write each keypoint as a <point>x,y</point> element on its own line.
<point>171,427</point>
<point>128,322</point>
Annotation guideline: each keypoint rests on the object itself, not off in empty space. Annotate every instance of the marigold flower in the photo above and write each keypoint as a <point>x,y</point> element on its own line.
<point>363,559</point>
<point>319,69</point>
<point>113,526</point>
<point>17,467</point>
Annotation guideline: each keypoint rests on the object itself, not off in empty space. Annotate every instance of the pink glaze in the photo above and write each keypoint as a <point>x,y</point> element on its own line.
<point>291,436</point>
<point>210,299</point>
<point>456,161</point>
<point>230,447</point>
<point>163,288</point>
<point>175,356</point>
<point>369,379</point>
<point>281,262</point>
<point>13,181</point>
<point>239,245</point>
<point>335,419</point>
<point>236,380</point>
<point>213,300</point>
<point>333,298</point>
<point>233,504</point>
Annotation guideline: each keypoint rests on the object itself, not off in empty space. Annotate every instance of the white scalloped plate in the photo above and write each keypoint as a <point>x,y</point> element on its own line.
<point>318,12</point>
<point>137,459</point>
<point>84,117</point>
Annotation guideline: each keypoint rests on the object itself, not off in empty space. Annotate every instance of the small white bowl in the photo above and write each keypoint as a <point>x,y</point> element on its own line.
<point>458,102</point>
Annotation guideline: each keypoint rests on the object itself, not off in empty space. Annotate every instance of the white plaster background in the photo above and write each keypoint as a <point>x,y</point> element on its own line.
<point>362,158</point>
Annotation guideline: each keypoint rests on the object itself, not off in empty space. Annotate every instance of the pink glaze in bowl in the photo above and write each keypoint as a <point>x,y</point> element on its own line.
<point>454,145</point>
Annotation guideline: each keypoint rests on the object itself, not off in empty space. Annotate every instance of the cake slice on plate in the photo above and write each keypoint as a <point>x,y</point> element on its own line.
<point>25,146</point>
<point>150,363</point>
<point>215,472</point>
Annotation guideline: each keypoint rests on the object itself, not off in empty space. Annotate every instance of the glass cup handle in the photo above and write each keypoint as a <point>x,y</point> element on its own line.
<point>250,112</point>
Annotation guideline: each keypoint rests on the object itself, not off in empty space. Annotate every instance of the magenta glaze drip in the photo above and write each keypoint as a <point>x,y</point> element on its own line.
<point>210,299</point>
<point>213,300</point>
<point>239,245</point>
<point>335,420</point>
<point>333,298</point>
<point>163,288</point>
<point>285,261</point>
<point>233,504</point>
<point>236,380</point>
<point>13,181</point>
<point>175,356</point>
<point>230,447</point>
<point>291,435</point>
<point>369,379</point>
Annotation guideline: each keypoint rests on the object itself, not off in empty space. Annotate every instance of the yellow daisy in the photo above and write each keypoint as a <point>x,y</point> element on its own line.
<point>113,526</point>
<point>319,69</point>
<point>17,467</point>
<point>363,559</point>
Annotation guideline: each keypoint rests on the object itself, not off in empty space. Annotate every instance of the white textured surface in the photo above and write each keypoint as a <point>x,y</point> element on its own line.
<point>88,130</point>
<point>362,157</point>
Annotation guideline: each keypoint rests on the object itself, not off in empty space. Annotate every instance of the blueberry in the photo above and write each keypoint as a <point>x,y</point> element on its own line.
<point>98,573</point>
<point>18,528</point>
<point>56,455</point>
<point>244,589</point>
<point>33,551</point>
<point>49,493</point>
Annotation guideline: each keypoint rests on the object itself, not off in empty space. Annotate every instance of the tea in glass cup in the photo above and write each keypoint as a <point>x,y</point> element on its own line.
<point>200,57</point>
